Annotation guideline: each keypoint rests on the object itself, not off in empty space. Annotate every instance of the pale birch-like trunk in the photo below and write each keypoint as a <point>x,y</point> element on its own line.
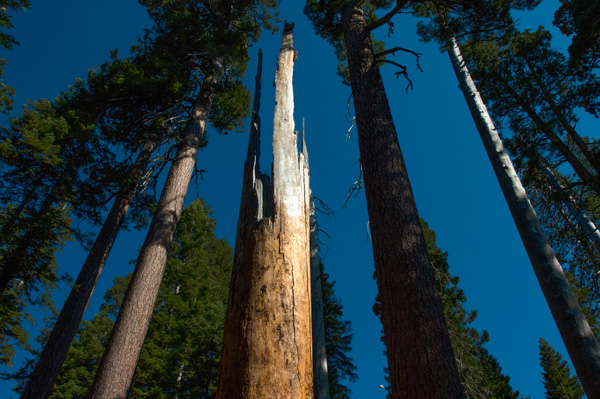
<point>267,344</point>
<point>579,339</point>
<point>321,379</point>
<point>48,367</point>
<point>120,358</point>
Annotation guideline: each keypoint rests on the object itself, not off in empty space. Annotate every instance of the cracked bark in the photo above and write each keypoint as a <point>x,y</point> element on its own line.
<point>267,345</point>
<point>574,329</point>
<point>420,356</point>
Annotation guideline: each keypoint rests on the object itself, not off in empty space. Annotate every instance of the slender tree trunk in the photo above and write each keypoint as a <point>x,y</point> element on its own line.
<point>267,345</point>
<point>420,356</point>
<point>580,169</point>
<point>16,261</point>
<point>119,361</point>
<point>579,339</point>
<point>42,379</point>
<point>582,145</point>
<point>321,379</point>
<point>586,224</point>
<point>13,219</point>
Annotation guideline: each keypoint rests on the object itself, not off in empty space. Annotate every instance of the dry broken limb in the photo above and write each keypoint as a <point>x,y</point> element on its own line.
<point>267,343</point>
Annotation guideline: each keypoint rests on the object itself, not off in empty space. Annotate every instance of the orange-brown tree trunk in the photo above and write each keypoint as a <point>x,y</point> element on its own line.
<point>55,351</point>
<point>267,344</point>
<point>120,358</point>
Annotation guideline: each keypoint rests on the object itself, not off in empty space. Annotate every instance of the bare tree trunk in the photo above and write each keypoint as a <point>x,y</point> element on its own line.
<point>42,379</point>
<point>420,356</point>
<point>579,339</point>
<point>321,379</point>
<point>119,361</point>
<point>267,345</point>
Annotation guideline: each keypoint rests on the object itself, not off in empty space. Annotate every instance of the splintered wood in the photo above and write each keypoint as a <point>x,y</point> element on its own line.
<point>267,344</point>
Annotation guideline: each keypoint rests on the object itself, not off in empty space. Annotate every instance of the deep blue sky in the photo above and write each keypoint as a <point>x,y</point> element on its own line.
<point>455,188</point>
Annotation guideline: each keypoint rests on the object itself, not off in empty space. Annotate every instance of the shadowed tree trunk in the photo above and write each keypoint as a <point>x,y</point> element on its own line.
<point>267,343</point>
<point>42,379</point>
<point>117,367</point>
<point>572,324</point>
<point>321,380</point>
<point>420,357</point>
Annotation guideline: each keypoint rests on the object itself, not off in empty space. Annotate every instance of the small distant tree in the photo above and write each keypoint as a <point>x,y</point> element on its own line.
<point>558,381</point>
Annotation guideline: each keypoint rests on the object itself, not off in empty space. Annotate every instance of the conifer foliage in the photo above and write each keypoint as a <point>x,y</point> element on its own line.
<point>480,373</point>
<point>558,381</point>
<point>181,352</point>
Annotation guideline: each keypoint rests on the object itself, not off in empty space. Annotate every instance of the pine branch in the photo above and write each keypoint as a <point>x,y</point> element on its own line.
<point>387,17</point>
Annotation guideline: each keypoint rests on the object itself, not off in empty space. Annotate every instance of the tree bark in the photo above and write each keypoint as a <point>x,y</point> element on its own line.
<point>42,379</point>
<point>420,356</point>
<point>574,329</point>
<point>118,364</point>
<point>267,345</point>
<point>321,378</point>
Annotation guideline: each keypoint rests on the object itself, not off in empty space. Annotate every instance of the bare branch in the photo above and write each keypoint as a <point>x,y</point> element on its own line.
<point>392,51</point>
<point>323,207</point>
<point>401,72</point>
<point>354,188</point>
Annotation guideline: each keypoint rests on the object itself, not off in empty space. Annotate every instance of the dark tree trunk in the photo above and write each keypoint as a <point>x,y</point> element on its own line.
<point>267,346</point>
<point>420,357</point>
<point>13,219</point>
<point>17,261</point>
<point>119,361</point>
<point>42,379</point>
<point>572,324</point>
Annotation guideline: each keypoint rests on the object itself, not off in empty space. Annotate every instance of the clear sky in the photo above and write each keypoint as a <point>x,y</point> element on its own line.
<point>454,185</point>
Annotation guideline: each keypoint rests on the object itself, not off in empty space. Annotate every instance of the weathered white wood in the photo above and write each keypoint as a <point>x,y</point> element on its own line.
<point>267,344</point>
<point>572,324</point>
